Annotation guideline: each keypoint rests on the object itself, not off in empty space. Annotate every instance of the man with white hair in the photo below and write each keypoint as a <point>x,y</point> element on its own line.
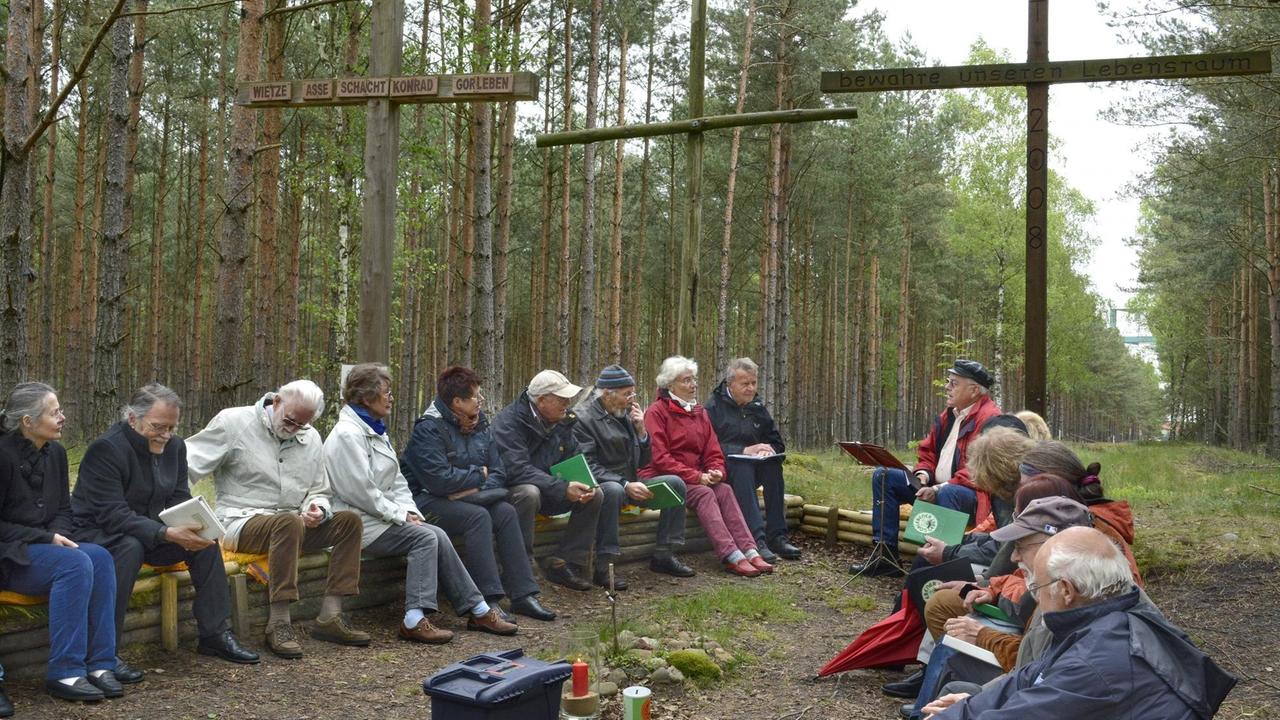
<point>1112,655</point>
<point>533,433</point>
<point>273,495</point>
<point>747,430</point>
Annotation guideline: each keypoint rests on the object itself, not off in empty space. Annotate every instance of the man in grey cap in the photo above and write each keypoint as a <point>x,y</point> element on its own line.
<point>940,475</point>
<point>533,433</point>
<point>611,433</point>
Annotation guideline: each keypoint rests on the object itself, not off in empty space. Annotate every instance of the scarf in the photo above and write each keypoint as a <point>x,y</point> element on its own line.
<point>377,426</point>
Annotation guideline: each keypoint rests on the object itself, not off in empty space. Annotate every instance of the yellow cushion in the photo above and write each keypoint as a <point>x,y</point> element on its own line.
<point>253,564</point>
<point>8,597</point>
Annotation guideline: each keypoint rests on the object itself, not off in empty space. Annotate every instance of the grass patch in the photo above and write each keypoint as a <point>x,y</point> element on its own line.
<point>727,607</point>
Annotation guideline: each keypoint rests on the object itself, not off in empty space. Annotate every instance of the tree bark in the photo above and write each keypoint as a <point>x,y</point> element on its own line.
<point>265,291</point>
<point>234,245</point>
<point>49,256</point>
<point>615,239</point>
<point>155,310</point>
<point>726,241</point>
<point>587,291</point>
<point>902,423</point>
<point>15,195</point>
<point>565,189</point>
<point>484,328</point>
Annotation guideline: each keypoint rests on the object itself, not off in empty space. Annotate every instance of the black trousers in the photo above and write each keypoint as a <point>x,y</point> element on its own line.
<point>212,604</point>
<point>504,570</point>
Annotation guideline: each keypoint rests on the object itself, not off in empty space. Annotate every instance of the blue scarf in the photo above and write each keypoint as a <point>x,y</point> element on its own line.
<point>376,425</point>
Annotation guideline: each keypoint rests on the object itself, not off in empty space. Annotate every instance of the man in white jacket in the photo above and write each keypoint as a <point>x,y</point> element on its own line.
<point>273,493</point>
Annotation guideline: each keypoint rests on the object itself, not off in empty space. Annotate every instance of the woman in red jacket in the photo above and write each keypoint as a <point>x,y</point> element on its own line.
<point>685,444</point>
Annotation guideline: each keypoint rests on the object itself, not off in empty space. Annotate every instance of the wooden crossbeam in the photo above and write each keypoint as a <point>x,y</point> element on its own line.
<point>703,124</point>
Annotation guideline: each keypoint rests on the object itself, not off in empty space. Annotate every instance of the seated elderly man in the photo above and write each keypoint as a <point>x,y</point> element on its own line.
<point>533,433</point>
<point>611,433</point>
<point>1112,655</point>
<point>940,475</point>
<point>744,427</point>
<point>132,472</point>
<point>273,494</point>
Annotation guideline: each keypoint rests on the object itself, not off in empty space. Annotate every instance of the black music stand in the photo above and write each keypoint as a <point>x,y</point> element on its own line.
<point>879,458</point>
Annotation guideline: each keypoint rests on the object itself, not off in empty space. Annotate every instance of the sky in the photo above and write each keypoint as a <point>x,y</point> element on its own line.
<point>1097,157</point>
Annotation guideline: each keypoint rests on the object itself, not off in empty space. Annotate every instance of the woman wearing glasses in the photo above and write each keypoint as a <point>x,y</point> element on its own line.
<point>37,556</point>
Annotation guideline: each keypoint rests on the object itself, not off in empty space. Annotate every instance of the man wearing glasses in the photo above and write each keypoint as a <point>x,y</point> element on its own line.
<point>273,493</point>
<point>940,475</point>
<point>611,433</point>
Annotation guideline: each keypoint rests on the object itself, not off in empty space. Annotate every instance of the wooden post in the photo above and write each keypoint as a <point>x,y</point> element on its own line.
<point>833,527</point>
<point>1035,334</point>
<point>690,248</point>
<point>381,151</point>
<point>169,611</point>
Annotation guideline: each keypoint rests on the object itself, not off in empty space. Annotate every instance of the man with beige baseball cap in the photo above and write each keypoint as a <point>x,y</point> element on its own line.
<point>533,433</point>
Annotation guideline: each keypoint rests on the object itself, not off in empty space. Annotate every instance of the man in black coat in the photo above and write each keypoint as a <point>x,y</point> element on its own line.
<point>746,429</point>
<point>128,475</point>
<point>533,433</point>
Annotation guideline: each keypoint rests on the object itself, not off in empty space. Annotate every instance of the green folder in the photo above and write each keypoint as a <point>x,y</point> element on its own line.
<point>663,496</point>
<point>995,613</point>
<point>935,521</point>
<point>575,469</point>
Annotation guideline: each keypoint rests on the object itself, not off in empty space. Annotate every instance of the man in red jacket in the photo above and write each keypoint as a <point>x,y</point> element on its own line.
<point>940,475</point>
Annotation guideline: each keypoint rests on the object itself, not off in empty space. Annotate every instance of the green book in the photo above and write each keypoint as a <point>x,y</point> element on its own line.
<point>663,496</point>
<point>995,613</point>
<point>935,521</point>
<point>575,469</point>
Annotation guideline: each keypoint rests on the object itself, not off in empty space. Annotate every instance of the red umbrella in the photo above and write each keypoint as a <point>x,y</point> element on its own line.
<point>894,640</point>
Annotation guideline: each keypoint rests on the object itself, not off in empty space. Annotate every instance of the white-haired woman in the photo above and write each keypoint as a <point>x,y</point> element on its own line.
<point>684,444</point>
<point>37,556</point>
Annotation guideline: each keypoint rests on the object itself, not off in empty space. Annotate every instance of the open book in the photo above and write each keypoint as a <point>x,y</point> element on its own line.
<point>971,650</point>
<point>872,455</point>
<point>194,513</point>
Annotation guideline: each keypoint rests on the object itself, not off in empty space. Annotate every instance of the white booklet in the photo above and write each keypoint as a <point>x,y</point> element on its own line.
<point>971,650</point>
<point>194,513</point>
<point>756,458</point>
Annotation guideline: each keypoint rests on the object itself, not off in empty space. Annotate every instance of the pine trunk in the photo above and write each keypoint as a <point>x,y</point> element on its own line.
<point>587,288</point>
<point>15,194</point>
<point>726,241</point>
<point>615,238</point>
<point>155,310</point>
<point>565,190</point>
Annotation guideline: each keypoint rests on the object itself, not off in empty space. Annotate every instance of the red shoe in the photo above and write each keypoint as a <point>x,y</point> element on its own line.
<point>742,567</point>
<point>758,563</point>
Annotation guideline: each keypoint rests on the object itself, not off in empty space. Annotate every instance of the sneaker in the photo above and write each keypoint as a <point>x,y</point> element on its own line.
<point>491,623</point>
<point>282,641</point>
<point>338,631</point>
<point>425,632</point>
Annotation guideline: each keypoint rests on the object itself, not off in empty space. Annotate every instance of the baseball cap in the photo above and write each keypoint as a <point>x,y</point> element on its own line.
<point>550,382</point>
<point>1050,516</point>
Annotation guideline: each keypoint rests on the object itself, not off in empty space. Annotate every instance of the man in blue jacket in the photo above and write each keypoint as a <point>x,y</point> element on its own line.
<point>533,433</point>
<point>452,467</point>
<point>747,430</point>
<point>1112,656</point>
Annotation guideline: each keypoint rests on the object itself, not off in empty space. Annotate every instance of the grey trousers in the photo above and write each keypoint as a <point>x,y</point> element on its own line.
<point>431,561</point>
<point>575,542</point>
<point>504,571</point>
<point>670,520</point>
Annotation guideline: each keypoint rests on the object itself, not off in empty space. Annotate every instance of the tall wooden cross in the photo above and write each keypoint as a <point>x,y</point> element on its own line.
<point>1037,74</point>
<point>693,129</point>
<point>383,92</point>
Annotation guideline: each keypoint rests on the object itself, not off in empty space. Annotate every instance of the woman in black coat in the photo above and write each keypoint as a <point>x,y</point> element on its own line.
<point>38,558</point>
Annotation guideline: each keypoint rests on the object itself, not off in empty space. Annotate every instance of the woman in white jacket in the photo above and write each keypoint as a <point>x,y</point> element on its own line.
<point>365,474</point>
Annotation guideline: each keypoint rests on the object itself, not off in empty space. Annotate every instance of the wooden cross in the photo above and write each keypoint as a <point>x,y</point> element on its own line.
<point>383,93</point>
<point>693,129</point>
<point>1037,74</point>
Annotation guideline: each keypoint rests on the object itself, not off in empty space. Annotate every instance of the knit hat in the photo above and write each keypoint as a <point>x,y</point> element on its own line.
<point>614,376</point>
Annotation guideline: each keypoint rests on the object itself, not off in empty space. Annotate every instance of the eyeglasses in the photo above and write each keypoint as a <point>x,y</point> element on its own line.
<point>690,380</point>
<point>291,423</point>
<point>1034,588</point>
<point>160,429</point>
<point>1022,548</point>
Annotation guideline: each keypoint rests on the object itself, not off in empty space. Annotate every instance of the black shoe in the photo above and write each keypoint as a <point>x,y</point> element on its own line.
<point>107,683</point>
<point>670,565</point>
<point>562,573</point>
<point>126,675</point>
<point>81,690</point>
<point>784,549</point>
<point>601,578</point>
<point>6,707</point>
<point>908,687</point>
<point>907,712</point>
<point>530,607</point>
<point>766,553</point>
<point>875,566</point>
<point>225,646</point>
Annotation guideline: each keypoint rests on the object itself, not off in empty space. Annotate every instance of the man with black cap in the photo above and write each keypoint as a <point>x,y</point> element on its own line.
<point>533,433</point>
<point>940,475</point>
<point>611,433</point>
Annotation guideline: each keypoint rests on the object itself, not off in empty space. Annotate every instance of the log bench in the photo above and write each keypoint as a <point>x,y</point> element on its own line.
<point>160,608</point>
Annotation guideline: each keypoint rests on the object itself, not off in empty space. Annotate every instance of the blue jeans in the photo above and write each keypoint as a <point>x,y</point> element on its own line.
<point>81,585</point>
<point>897,490</point>
<point>745,477</point>
<point>947,664</point>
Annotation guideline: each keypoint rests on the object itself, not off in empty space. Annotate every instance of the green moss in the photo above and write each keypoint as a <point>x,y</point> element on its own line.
<point>696,665</point>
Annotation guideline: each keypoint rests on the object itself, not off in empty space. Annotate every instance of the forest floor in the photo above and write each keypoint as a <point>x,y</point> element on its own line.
<point>1225,593</point>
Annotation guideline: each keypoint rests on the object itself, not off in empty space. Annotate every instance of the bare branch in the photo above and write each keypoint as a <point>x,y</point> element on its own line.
<point>185,8</point>
<point>303,6</point>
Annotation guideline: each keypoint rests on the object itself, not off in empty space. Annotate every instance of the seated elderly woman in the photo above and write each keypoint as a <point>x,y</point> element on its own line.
<point>38,558</point>
<point>365,474</point>
<point>684,444</point>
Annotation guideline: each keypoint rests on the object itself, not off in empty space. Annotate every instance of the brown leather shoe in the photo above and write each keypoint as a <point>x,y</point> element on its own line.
<point>338,631</point>
<point>425,632</point>
<point>282,641</point>
<point>491,623</point>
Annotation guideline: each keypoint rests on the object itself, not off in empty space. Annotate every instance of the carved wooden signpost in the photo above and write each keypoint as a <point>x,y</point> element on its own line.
<point>410,89</point>
<point>1037,74</point>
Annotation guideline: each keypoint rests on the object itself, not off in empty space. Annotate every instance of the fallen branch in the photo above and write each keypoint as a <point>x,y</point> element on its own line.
<point>796,715</point>
<point>1258,487</point>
